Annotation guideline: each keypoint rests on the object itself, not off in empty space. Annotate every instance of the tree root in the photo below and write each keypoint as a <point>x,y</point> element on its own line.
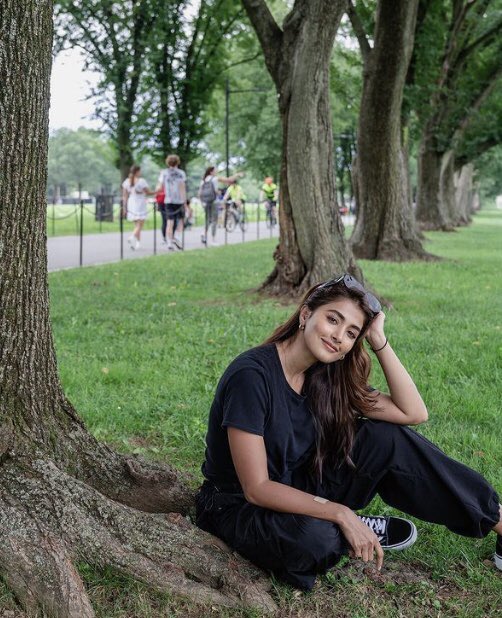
<point>38,569</point>
<point>393,250</point>
<point>49,520</point>
<point>131,480</point>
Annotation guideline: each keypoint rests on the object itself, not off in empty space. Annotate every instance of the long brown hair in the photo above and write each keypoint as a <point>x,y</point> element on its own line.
<point>132,173</point>
<point>208,171</point>
<point>338,392</point>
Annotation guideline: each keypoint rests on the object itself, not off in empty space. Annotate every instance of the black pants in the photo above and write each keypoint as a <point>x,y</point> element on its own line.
<point>163,213</point>
<point>176,212</point>
<point>407,471</point>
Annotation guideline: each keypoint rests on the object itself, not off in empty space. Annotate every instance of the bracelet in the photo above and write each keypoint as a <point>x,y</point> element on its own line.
<point>380,349</point>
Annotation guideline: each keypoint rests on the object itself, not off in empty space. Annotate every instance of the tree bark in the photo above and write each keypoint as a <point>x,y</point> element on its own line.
<point>431,213</point>
<point>385,226</point>
<point>65,498</point>
<point>312,246</point>
<point>464,193</point>
<point>447,188</point>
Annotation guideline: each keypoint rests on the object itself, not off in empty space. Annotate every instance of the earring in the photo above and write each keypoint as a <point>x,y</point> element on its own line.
<point>342,356</point>
<point>302,326</point>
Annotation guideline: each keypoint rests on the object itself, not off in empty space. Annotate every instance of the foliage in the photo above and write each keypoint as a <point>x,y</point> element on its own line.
<point>346,90</point>
<point>159,63</point>
<point>489,176</point>
<point>81,157</point>
<point>113,37</point>
<point>185,62</point>
<point>255,133</point>
<point>457,61</point>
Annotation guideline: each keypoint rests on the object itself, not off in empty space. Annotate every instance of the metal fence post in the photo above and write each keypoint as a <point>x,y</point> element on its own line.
<point>155,229</point>
<point>81,223</point>
<point>121,223</point>
<point>243,221</point>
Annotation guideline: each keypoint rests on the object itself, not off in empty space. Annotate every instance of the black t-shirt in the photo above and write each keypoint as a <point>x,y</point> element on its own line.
<point>254,395</point>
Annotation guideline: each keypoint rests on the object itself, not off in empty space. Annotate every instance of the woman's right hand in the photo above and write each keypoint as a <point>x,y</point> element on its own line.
<point>362,540</point>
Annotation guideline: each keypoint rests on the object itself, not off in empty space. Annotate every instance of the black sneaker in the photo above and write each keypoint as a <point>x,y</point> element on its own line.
<point>498,552</point>
<point>392,532</point>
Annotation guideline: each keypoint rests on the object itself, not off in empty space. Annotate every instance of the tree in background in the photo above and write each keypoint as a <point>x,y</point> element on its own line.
<point>346,88</point>
<point>488,173</point>
<point>185,63</point>
<point>473,157</point>
<point>83,158</point>
<point>254,123</point>
<point>159,62</point>
<point>312,245</point>
<point>66,499</point>
<point>385,226</point>
<point>113,37</point>
<point>458,66</point>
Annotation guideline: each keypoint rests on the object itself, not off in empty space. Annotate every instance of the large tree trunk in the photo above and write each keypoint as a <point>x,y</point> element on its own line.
<point>464,193</point>
<point>431,213</point>
<point>447,188</point>
<point>124,149</point>
<point>64,498</point>
<point>312,246</point>
<point>385,227</point>
<point>456,190</point>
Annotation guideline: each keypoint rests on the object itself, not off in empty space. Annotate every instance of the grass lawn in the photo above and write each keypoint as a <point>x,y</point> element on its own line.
<point>141,346</point>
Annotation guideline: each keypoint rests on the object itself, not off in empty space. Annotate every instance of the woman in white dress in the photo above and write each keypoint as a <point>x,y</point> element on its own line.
<point>134,192</point>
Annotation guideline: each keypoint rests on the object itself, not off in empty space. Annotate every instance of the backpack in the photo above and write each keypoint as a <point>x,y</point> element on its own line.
<point>207,192</point>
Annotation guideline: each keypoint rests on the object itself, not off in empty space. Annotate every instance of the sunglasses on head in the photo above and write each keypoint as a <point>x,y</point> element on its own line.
<point>353,284</point>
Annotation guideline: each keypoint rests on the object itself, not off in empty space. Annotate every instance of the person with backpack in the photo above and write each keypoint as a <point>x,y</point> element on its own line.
<point>173,181</point>
<point>208,195</point>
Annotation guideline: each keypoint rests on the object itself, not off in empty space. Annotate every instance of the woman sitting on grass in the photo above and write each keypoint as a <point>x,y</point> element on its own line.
<point>298,441</point>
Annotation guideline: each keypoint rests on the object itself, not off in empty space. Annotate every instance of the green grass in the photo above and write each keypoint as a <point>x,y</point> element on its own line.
<point>64,219</point>
<point>141,345</point>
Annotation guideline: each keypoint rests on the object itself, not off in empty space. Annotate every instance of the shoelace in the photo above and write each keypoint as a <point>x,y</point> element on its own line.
<point>377,524</point>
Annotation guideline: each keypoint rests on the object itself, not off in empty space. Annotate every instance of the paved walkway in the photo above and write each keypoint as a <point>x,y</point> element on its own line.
<point>64,251</point>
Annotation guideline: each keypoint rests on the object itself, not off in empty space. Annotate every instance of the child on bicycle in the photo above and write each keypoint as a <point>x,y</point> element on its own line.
<point>236,194</point>
<point>268,194</point>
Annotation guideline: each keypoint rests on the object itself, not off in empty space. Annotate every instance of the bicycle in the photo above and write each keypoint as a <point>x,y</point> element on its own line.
<point>234,216</point>
<point>270,213</point>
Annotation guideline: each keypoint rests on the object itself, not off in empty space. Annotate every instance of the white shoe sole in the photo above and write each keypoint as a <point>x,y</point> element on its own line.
<point>404,544</point>
<point>498,561</point>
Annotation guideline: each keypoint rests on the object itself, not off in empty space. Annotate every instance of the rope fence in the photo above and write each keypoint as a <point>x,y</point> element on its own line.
<point>251,222</point>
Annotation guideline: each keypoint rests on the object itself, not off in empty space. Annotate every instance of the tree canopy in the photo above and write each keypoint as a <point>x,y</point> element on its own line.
<point>81,157</point>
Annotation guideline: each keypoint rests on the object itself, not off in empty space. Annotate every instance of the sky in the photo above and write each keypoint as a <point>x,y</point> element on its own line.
<point>69,86</point>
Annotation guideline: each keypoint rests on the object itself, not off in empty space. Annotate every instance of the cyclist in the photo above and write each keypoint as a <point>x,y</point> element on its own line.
<point>269,192</point>
<point>236,194</point>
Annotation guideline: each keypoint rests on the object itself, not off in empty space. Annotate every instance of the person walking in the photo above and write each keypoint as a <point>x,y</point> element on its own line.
<point>298,441</point>
<point>134,192</point>
<point>173,181</point>
<point>208,195</point>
